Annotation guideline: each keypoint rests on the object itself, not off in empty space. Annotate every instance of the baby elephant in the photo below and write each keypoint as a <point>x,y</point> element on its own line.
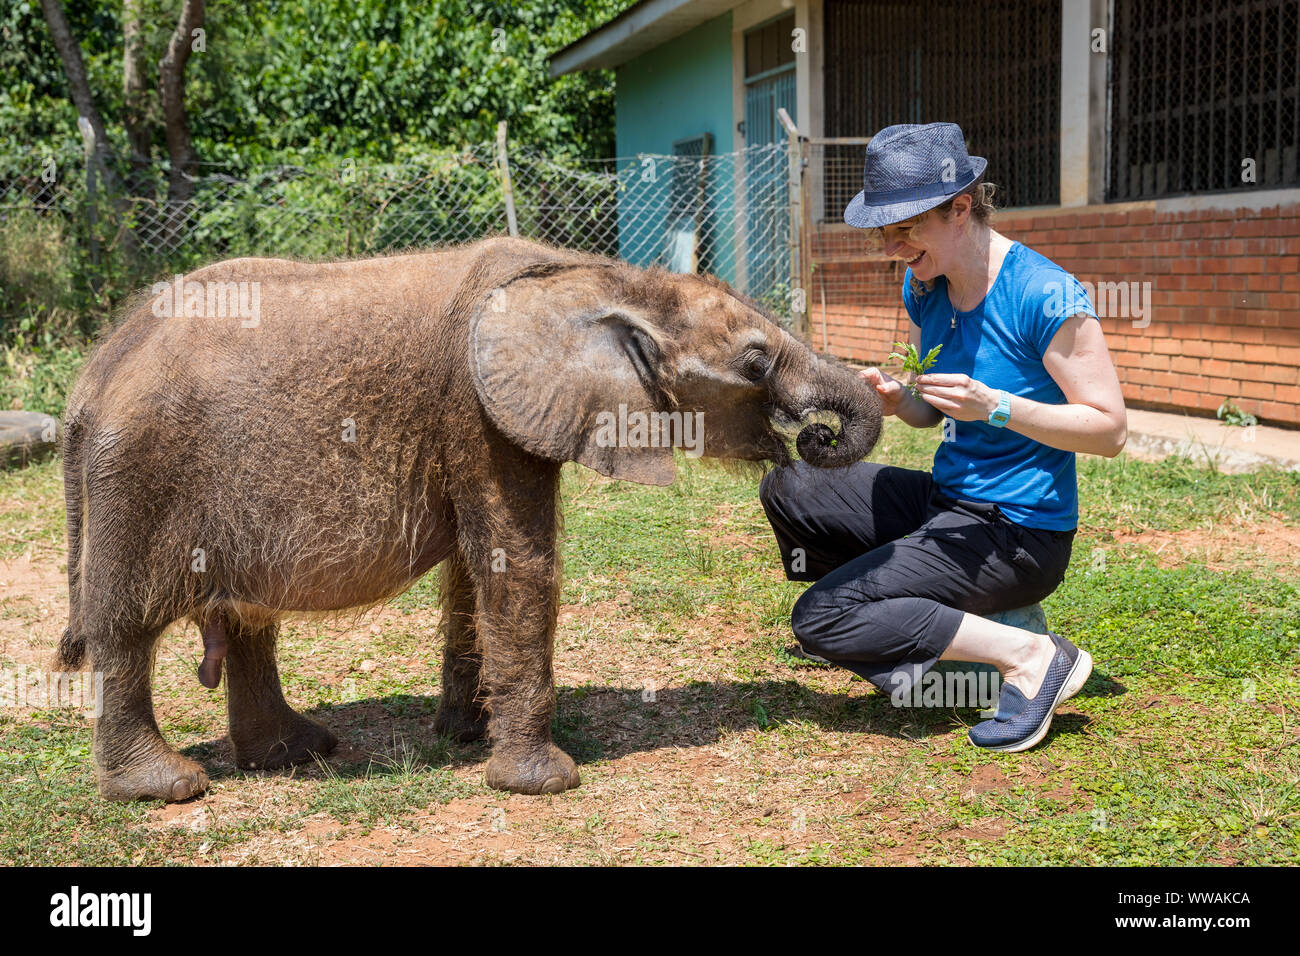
<point>265,438</point>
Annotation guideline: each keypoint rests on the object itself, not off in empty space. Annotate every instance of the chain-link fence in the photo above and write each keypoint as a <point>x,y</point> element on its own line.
<point>726,214</point>
<point>853,292</point>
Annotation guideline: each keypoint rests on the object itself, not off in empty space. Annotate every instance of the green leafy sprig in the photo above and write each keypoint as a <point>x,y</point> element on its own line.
<point>912,361</point>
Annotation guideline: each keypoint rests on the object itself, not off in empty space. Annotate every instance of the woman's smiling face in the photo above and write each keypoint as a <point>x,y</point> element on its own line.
<point>927,243</point>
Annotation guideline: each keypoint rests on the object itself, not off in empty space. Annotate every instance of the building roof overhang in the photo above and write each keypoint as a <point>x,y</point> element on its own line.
<point>636,30</point>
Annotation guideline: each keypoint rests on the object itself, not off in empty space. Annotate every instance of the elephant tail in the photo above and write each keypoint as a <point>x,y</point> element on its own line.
<point>72,646</point>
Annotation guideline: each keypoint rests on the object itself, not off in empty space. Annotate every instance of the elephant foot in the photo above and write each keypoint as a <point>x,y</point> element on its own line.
<point>460,724</point>
<point>165,776</point>
<point>296,740</point>
<point>545,770</point>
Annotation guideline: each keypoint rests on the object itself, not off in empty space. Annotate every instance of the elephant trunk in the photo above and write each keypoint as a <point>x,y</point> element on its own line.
<point>832,387</point>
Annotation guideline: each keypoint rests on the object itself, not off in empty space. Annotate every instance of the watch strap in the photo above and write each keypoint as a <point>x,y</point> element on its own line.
<point>1002,414</point>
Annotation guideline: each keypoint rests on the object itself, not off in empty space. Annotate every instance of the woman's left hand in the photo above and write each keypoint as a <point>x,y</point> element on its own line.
<point>957,395</point>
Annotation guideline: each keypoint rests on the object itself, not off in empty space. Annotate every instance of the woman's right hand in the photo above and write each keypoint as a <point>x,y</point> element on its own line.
<point>889,389</point>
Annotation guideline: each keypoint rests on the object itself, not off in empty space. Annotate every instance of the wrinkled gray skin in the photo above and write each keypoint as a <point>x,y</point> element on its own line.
<point>469,375</point>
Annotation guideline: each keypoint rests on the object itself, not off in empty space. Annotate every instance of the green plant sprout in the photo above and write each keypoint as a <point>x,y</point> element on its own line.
<point>1230,414</point>
<point>912,361</point>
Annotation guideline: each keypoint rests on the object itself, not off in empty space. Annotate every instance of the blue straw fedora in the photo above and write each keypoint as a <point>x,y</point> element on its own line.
<point>910,169</point>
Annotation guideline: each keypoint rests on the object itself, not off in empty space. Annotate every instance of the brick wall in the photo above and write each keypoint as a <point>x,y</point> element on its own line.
<point>1223,319</point>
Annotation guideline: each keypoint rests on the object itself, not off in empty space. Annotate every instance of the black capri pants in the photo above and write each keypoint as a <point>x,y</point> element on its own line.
<point>897,563</point>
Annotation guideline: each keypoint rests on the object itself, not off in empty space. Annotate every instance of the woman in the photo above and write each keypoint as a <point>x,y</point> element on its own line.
<point>906,562</point>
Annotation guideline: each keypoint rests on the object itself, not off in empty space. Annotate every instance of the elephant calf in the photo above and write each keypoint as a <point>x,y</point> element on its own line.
<point>367,421</point>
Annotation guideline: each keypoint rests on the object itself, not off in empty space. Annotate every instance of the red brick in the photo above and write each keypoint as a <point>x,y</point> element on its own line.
<point>1288,393</point>
<point>1260,353</point>
<point>1155,363</point>
<point>1278,374</point>
<point>1260,390</point>
<point>1279,412</point>
<point>1246,264</point>
<point>1219,386</point>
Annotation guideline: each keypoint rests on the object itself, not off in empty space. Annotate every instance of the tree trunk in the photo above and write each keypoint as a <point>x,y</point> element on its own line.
<point>101,159</point>
<point>134,114</point>
<point>171,83</point>
<point>75,68</point>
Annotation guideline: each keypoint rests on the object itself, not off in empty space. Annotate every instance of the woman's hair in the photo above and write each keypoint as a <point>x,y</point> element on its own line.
<point>981,204</point>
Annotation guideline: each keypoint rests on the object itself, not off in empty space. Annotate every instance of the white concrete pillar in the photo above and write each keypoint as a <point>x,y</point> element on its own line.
<point>1083,102</point>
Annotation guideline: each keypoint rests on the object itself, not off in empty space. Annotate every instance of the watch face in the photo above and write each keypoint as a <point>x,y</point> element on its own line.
<point>999,417</point>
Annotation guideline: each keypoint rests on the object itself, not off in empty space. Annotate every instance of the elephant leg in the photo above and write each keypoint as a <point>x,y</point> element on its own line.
<point>515,564</point>
<point>461,714</point>
<point>265,732</point>
<point>132,760</point>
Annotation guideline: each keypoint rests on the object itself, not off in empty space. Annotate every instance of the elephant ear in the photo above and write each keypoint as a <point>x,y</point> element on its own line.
<point>557,365</point>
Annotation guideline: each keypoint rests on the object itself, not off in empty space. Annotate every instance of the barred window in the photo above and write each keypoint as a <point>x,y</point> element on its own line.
<point>993,68</point>
<point>689,216</point>
<point>768,47</point>
<point>1203,97</point>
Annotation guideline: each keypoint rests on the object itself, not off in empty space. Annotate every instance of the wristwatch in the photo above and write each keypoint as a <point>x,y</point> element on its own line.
<point>1002,414</point>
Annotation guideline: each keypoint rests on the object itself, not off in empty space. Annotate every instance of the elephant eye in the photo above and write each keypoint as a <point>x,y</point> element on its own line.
<point>755,365</point>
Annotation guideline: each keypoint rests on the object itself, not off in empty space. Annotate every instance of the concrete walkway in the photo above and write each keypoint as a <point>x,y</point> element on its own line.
<point>1156,435</point>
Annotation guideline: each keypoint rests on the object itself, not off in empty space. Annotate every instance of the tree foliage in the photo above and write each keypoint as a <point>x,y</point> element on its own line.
<point>366,78</point>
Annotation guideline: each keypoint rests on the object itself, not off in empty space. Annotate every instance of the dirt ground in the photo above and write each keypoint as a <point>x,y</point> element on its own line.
<point>682,775</point>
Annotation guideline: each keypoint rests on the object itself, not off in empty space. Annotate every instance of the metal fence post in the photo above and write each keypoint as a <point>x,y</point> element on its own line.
<point>92,200</point>
<point>798,289</point>
<point>806,218</point>
<point>507,186</point>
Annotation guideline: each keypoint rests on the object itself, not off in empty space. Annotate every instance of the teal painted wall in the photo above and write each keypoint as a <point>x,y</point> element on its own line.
<point>676,91</point>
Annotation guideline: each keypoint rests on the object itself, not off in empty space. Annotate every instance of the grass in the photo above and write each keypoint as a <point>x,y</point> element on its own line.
<point>700,738</point>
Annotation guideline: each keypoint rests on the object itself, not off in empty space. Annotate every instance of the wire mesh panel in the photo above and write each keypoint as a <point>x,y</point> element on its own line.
<point>727,214</point>
<point>855,306</point>
<point>740,227</point>
<point>571,203</point>
<point>1203,97</point>
<point>993,68</point>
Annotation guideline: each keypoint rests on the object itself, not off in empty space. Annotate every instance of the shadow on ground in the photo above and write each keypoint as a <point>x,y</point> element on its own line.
<point>607,723</point>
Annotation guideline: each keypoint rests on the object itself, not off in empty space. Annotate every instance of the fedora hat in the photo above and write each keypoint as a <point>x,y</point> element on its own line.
<point>909,169</point>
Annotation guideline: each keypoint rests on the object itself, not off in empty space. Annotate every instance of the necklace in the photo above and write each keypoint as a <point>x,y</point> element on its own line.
<point>954,317</point>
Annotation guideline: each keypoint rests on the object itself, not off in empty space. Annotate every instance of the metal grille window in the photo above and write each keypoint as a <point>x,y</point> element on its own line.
<point>993,68</point>
<point>688,212</point>
<point>769,47</point>
<point>1203,97</point>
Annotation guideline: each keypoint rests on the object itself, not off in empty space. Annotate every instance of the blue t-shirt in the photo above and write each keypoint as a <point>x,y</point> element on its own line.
<point>1001,343</point>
